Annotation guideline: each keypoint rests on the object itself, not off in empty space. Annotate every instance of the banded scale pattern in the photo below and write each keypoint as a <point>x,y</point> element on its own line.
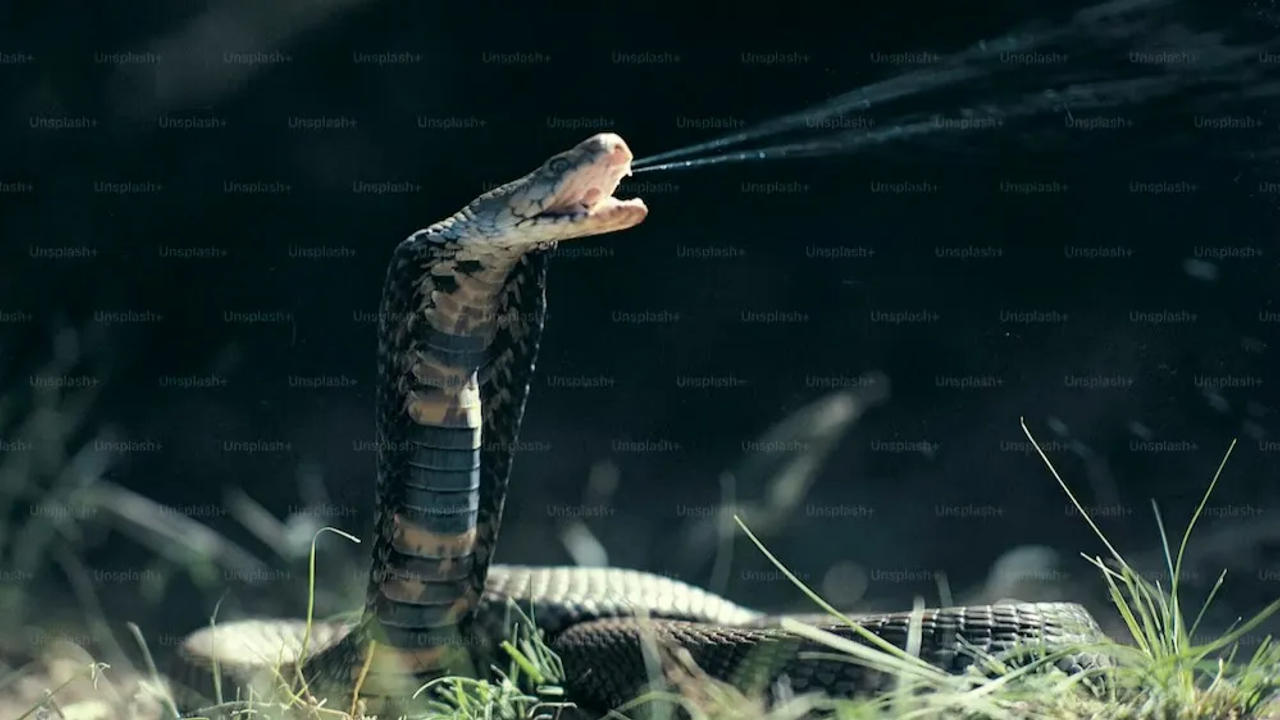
<point>439,313</point>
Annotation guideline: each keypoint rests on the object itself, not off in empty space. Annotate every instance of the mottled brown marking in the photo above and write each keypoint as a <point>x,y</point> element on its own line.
<point>471,307</point>
<point>495,259</point>
<point>415,592</point>
<point>447,566</point>
<point>396,660</point>
<point>413,539</point>
<point>397,673</point>
<point>429,370</point>
<point>474,317</point>
<point>450,315</point>
<point>438,408</point>
<point>485,285</point>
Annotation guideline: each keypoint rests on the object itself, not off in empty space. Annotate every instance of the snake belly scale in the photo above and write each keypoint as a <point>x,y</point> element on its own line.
<point>460,320</point>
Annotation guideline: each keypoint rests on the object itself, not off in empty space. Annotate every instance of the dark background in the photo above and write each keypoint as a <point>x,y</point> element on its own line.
<point>222,299</point>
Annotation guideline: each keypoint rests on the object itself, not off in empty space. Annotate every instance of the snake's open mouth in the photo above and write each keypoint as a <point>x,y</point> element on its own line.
<point>587,192</point>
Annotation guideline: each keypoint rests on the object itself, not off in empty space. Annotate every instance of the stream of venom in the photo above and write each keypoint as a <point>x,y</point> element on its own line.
<point>1095,61</point>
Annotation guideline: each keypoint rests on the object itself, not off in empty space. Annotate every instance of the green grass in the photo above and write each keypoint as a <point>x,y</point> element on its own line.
<point>1161,670</point>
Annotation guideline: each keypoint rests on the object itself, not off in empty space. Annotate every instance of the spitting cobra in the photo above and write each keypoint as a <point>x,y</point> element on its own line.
<point>460,321</point>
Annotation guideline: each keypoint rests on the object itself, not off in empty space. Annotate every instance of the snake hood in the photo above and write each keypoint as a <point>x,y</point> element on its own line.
<point>568,196</point>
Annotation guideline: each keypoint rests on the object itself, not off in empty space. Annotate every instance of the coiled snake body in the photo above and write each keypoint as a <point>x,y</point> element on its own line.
<point>461,316</point>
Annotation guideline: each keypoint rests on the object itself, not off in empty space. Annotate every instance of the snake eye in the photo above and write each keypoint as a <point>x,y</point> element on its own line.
<point>558,164</point>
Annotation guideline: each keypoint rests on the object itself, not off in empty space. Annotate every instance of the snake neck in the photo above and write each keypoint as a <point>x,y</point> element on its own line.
<point>437,318</point>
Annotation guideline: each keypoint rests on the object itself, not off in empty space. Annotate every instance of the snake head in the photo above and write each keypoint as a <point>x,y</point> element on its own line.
<point>568,196</point>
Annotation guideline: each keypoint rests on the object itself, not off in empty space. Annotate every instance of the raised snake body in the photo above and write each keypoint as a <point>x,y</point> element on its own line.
<point>461,316</point>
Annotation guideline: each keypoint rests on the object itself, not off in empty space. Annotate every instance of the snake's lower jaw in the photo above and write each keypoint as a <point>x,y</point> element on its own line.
<point>612,215</point>
<point>606,215</point>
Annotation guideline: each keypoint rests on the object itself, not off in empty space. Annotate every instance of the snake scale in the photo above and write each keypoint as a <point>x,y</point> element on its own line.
<point>460,320</point>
